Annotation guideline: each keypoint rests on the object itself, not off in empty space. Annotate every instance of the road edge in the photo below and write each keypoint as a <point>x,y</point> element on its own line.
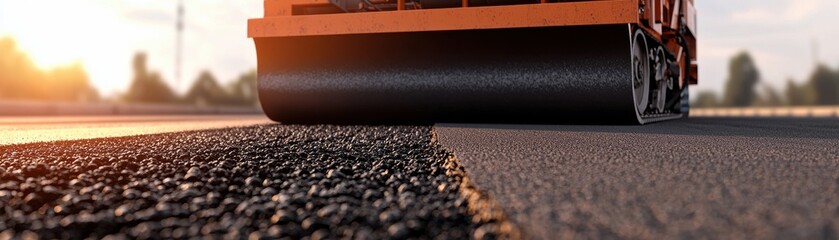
<point>480,204</point>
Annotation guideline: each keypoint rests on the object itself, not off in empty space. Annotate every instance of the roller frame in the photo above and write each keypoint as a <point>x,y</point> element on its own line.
<point>282,20</point>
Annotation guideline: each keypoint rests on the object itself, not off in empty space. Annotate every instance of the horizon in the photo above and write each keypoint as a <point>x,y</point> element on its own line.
<point>780,35</point>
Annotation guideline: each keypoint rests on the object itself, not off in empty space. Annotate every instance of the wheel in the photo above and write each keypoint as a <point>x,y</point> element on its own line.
<point>661,78</point>
<point>684,83</point>
<point>684,68</point>
<point>640,72</point>
<point>685,103</point>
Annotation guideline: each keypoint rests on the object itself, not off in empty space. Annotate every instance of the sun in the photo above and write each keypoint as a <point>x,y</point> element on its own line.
<point>68,32</point>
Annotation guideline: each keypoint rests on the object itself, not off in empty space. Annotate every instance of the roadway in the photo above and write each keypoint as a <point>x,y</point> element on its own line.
<point>243,176</point>
<point>21,130</point>
<point>718,178</point>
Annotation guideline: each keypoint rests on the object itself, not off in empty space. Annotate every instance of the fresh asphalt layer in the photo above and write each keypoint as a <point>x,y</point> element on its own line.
<point>715,178</point>
<point>261,182</point>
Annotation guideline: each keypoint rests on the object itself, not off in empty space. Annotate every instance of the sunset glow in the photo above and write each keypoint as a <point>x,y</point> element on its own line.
<point>103,35</point>
<point>59,35</point>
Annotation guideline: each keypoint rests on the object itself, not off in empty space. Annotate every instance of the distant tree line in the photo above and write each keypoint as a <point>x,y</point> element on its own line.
<point>149,87</point>
<point>743,88</point>
<point>21,79</point>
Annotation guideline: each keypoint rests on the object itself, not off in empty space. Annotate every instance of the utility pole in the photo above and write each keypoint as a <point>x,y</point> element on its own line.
<point>179,27</point>
<point>815,52</point>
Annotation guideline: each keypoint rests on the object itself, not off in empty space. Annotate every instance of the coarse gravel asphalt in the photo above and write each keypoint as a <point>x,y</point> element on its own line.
<point>265,181</point>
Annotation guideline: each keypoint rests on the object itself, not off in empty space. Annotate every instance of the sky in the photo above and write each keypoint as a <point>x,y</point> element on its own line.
<point>779,34</point>
<point>105,34</point>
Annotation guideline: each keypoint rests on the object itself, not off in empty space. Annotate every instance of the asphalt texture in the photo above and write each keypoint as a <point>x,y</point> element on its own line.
<point>707,178</point>
<point>259,182</point>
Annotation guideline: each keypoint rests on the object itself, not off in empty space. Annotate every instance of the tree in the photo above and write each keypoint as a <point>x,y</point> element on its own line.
<point>825,84</point>
<point>21,79</point>
<point>705,99</point>
<point>18,71</point>
<point>69,83</point>
<point>798,95</point>
<point>244,89</point>
<point>743,75</point>
<point>768,97</point>
<point>207,91</point>
<point>148,87</point>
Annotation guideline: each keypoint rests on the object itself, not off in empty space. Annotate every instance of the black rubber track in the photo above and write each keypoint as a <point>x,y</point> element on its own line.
<point>525,75</point>
<point>258,182</point>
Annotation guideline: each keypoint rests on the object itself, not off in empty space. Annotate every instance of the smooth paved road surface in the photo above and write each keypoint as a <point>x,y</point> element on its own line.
<point>715,178</point>
<point>19,130</point>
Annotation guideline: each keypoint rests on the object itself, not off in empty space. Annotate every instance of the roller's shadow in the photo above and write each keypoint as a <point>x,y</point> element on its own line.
<point>811,128</point>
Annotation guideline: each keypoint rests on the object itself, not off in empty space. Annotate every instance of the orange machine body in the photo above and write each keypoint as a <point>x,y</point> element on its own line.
<point>672,22</point>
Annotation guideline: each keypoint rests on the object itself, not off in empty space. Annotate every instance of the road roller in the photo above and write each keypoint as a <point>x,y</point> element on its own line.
<point>485,61</point>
